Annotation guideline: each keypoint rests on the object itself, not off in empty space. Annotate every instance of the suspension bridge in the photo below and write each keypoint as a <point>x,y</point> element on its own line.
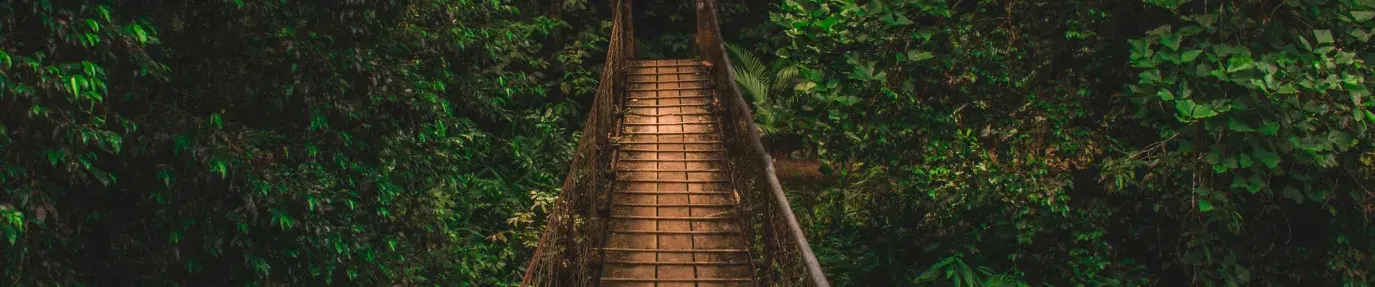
<point>670,185</point>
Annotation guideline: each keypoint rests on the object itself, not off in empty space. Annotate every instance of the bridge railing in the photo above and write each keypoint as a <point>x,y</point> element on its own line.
<point>781,254</point>
<point>569,252</point>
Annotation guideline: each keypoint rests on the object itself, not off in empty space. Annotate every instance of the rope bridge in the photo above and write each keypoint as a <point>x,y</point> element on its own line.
<point>670,185</point>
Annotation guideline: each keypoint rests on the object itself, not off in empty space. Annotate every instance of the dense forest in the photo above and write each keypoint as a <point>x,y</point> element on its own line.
<point>922,142</point>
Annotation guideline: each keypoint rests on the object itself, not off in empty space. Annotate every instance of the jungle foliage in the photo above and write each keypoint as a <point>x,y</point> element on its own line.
<point>1087,143</point>
<point>205,143</point>
<point>973,143</point>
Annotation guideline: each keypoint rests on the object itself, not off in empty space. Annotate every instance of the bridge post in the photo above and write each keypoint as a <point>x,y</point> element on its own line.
<point>630,29</point>
<point>703,37</point>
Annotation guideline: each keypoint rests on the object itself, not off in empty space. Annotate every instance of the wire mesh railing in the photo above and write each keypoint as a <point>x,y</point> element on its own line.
<point>781,254</point>
<point>569,252</point>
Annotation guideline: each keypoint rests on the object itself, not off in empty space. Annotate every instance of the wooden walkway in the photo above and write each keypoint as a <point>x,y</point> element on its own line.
<point>673,219</point>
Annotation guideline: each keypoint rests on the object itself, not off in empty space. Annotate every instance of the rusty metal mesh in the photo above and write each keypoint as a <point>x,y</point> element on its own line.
<point>781,254</point>
<point>569,248</point>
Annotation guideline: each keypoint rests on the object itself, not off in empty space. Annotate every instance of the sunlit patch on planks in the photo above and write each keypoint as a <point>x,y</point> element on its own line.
<point>672,211</point>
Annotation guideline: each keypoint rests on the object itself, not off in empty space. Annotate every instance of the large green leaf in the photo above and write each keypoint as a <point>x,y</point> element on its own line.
<point>1268,158</point>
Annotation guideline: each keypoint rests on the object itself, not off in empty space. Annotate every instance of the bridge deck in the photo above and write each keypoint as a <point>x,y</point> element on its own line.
<point>672,218</point>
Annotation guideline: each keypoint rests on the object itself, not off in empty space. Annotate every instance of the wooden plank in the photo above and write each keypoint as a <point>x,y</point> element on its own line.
<point>671,133</point>
<point>667,217</point>
<point>670,170</point>
<point>672,160</point>
<point>668,73</point>
<point>677,280</point>
<point>672,142</point>
<point>669,81</point>
<point>672,262</point>
<point>662,150</point>
<point>667,105</point>
<point>672,225</point>
<point>675,250</point>
<point>666,124</point>
<point>671,204</point>
<point>669,89</point>
<point>677,232</point>
<point>673,180</point>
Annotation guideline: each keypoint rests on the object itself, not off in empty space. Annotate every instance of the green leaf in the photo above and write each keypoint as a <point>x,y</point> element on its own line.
<point>1224,50</point>
<point>1243,273</point>
<point>1190,55</point>
<point>1237,125</point>
<point>1170,56</point>
<point>1140,48</point>
<point>1360,34</point>
<point>1324,36</point>
<point>1362,16</point>
<point>220,167</point>
<point>1288,89</point>
<point>1293,194</point>
<point>903,20</point>
<point>181,143</point>
<point>1268,158</point>
<point>918,56</point>
<point>1204,205</point>
<point>1150,76</point>
<point>1165,95</point>
<point>1269,128</point>
<point>104,12</point>
<point>827,23</point>
<point>139,33</point>
<point>216,121</point>
<point>925,33</point>
<point>847,100</point>
<point>104,178</point>
<point>1202,191</point>
<point>1170,40</point>
<point>53,157</point>
<point>1254,183</point>
<point>1235,64</point>
<point>1190,110</point>
<point>1212,157</point>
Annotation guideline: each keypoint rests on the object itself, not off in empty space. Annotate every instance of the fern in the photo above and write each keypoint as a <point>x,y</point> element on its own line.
<point>955,272</point>
<point>784,77</point>
<point>749,74</point>
<point>754,77</point>
<point>755,86</point>
<point>751,64</point>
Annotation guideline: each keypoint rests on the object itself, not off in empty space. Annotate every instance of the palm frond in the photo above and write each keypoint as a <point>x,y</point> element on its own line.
<point>748,61</point>
<point>755,86</point>
<point>755,79</point>
<point>749,73</point>
<point>784,77</point>
<point>767,119</point>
